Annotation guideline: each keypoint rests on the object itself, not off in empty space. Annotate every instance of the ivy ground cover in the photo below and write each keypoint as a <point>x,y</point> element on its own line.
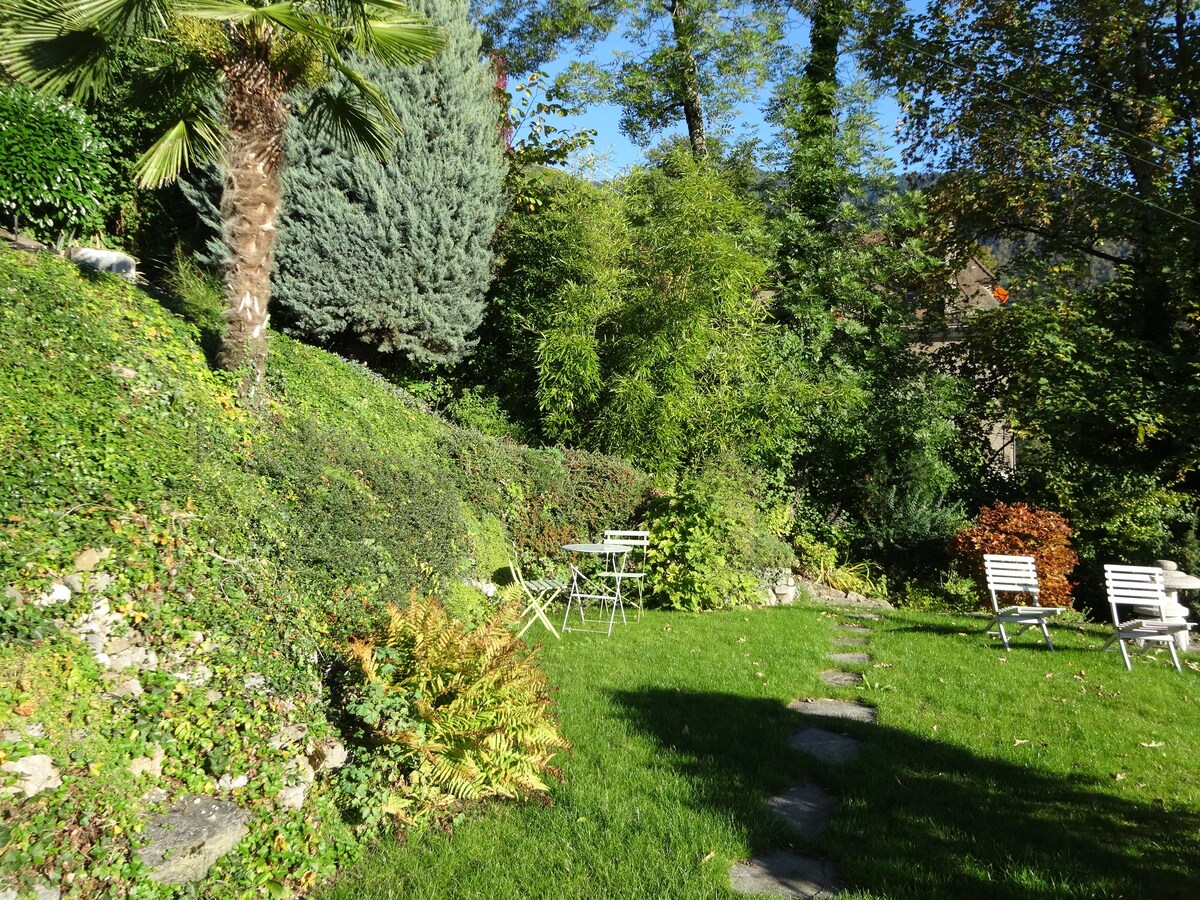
<point>1020,774</point>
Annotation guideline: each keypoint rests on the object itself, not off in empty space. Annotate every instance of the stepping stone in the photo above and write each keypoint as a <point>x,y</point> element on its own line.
<point>850,658</point>
<point>835,709</point>
<point>854,629</point>
<point>869,616</point>
<point>850,642</point>
<point>826,746</point>
<point>805,807</point>
<point>838,678</point>
<point>785,874</point>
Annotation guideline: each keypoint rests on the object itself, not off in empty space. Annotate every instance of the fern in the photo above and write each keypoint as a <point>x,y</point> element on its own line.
<point>450,714</point>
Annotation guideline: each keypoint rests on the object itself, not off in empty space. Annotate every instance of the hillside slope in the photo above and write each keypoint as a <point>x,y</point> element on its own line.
<point>177,575</point>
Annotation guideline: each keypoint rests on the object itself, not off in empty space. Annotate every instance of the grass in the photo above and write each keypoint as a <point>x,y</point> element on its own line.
<point>1016,774</point>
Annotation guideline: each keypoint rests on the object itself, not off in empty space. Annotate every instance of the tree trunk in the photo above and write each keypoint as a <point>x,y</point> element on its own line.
<point>255,115</point>
<point>689,87</point>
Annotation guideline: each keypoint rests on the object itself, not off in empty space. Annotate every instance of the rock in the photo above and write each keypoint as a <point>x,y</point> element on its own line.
<point>88,559</point>
<point>850,659</point>
<point>34,775</point>
<point>835,709</point>
<point>838,678</point>
<point>193,834</point>
<point>826,746</point>
<point>38,892</point>
<point>254,682</point>
<point>785,874</point>
<point>289,734</point>
<point>148,765</point>
<point>133,658</point>
<point>328,755</point>
<point>11,593</point>
<point>295,791</point>
<point>293,796</point>
<point>34,731</point>
<point>155,795</point>
<point>232,782</point>
<point>120,644</point>
<point>197,675</point>
<point>805,807</point>
<point>213,696</point>
<point>112,261</point>
<point>74,581</point>
<point>58,593</point>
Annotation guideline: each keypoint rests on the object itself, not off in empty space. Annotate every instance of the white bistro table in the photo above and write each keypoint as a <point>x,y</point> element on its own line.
<point>585,588</point>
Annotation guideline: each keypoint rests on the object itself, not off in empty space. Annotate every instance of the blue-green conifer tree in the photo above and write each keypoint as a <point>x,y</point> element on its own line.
<point>394,258</point>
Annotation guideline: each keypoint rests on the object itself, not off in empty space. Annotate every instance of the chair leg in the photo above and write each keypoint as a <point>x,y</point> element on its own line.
<point>1124,653</point>
<point>1003,634</point>
<point>1046,634</point>
<point>1174,655</point>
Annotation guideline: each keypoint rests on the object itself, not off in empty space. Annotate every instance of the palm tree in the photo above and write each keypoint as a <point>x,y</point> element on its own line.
<point>235,63</point>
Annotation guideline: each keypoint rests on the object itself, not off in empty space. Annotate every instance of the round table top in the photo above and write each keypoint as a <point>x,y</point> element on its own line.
<point>598,549</point>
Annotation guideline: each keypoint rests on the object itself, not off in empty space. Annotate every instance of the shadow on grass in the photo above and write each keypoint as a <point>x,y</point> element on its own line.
<point>918,818</point>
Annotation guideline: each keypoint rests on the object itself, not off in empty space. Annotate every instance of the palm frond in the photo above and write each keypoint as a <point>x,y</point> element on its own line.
<point>118,17</point>
<point>184,142</point>
<point>357,116</point>
<point>401,38</point>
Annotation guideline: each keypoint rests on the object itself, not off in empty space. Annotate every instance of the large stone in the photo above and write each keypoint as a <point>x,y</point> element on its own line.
<point>825,746</point>
<point>850,658</point>
<point>38,892</point>
<point>805,807</point>
<point>34,775</point>
<point>838,678</point>
<point>58,593</point>
<point>328,755</point>
<point>835,709</point>
<point>785,875</point>
<point>193,834</point>
<point>148,765</point>
<point>89,558</point>
<point>112,261</point>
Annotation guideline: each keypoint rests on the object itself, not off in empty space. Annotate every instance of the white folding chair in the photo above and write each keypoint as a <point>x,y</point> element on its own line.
<point>1015,575</point>
<point>1142,586</point>
<point>634,563</point>
<point>540,592</point>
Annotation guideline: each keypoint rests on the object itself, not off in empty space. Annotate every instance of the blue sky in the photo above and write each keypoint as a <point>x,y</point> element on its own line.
<point>613,152</point>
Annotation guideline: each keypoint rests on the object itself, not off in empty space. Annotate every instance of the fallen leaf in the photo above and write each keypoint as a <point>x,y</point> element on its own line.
<point>1004,659</point>
<point>1153,744</point>
<point>1049,674</point>
<point>26,708</point>
<point>709,855</point>
<point>1017,742</point>
<point>882,666</point>
<point>1119,776</point>
<point>935,728</point>
<point>741,640</point>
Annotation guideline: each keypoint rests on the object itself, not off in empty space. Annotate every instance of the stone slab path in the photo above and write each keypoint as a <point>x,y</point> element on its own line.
<point>838,678</point>
<point>835,709</point>
<point>806,807</point>
<point>850,657</point>
<point>826,746</point>
<point>785,875</point>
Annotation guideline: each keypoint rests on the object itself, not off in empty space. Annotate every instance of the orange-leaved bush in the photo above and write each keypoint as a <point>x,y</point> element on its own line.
<point>1017,529</point>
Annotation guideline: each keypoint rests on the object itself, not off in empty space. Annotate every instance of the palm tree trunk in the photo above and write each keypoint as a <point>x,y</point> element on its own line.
<point>255,115</point>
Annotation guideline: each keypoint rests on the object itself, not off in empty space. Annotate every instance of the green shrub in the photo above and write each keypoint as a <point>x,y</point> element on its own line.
<point>444,714</point>
<point>359,523</point>
<point>690,561</point>
<point>55,176</point>
<point>545,498</point>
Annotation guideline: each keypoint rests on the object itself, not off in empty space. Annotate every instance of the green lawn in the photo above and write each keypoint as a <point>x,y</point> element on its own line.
<point>990,774</point>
